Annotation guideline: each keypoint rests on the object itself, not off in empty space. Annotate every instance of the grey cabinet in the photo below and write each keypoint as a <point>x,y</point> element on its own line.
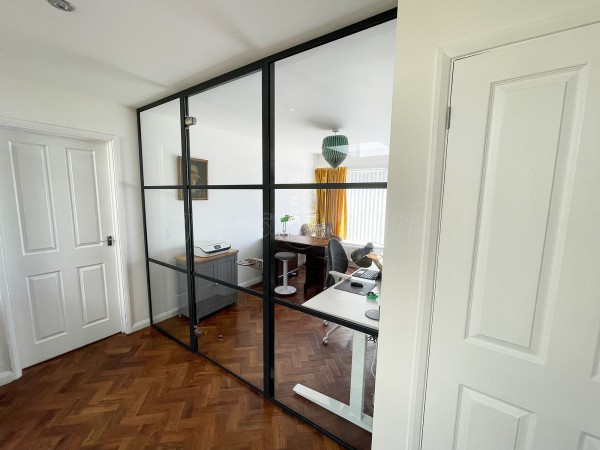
<point>211,296</point>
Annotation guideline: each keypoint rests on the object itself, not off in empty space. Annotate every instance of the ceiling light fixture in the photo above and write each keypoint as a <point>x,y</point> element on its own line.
<point>335,149</point>
<point>63,5</point>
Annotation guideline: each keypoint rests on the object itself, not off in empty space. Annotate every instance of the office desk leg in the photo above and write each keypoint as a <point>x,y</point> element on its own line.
<point>357,377</point>
<point>353,411</point>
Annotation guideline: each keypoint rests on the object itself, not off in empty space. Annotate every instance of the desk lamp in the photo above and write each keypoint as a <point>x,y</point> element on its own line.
<point>284,221</point>
<point>363,257</point>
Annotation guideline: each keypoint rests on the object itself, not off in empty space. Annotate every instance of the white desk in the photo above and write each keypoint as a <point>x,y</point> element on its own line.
<point>351,307</point>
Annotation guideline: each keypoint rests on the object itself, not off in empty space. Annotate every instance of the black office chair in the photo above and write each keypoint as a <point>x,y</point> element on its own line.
<point>337,261</point>
<point>337,264</point>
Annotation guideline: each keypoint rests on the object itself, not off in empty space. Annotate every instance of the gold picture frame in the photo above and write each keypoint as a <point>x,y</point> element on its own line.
<point>198,175</point>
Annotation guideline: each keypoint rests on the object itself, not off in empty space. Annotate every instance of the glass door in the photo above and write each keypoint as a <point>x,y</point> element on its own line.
<point>164,194</point>
<point>226,213</point>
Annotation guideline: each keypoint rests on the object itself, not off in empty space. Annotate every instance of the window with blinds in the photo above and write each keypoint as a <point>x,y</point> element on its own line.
<point>366,207</point>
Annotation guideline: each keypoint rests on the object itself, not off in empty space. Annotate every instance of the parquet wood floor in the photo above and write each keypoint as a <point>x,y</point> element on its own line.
<point>142,391</point>
<point>233,338</point>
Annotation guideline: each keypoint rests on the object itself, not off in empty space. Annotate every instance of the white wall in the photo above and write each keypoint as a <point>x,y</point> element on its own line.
<point>423,27</point>
<point>34,102</point>
<point>293,165</point>
<point>234,216</point>
<point>165,219</point>
<point>234,157</point>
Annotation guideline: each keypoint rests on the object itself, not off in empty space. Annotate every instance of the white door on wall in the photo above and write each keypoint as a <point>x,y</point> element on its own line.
<point>515,341</point>
<point>55,211</point>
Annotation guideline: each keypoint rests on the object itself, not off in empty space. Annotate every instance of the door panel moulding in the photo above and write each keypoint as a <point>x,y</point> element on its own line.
<point>111,142</point>
<point>443,82</point>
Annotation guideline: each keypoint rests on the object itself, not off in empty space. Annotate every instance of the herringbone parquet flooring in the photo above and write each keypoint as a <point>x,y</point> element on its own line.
<point>142,391</point>
<point>233,338</point>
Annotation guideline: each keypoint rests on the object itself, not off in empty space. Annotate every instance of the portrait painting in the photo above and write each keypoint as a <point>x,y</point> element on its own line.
<point>198,176</point>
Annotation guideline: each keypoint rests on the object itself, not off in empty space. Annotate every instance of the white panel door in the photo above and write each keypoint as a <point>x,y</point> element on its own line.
<point>55,211</point>
<point>514,357</point>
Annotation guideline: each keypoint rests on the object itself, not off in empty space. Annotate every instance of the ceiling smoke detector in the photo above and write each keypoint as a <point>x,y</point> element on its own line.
<point>63,5</point>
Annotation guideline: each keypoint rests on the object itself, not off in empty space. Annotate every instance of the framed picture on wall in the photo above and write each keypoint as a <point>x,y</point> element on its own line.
<point>198,175</point>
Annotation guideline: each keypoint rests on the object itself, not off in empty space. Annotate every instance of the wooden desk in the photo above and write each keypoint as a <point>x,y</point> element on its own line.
<point>315,251</point>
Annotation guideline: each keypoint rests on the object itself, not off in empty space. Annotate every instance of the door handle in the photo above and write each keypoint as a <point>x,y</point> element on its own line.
<point>109,240</point>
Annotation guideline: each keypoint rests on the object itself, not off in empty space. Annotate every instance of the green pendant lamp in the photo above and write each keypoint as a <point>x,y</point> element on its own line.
<point>335,149</point>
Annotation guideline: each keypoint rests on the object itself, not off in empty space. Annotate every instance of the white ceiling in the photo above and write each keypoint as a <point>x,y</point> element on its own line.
<point>132,52</point>
<point>344,85</point>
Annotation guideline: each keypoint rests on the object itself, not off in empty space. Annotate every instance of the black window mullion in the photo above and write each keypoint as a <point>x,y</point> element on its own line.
<point>268,134</point>
<point>139,125</point>
<point>188,220</point>
<point>365,185</point>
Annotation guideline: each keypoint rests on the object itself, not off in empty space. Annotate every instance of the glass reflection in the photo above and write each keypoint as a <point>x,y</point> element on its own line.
<point>161,142</point>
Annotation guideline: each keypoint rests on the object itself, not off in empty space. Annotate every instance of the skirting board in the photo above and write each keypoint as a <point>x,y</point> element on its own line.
<point>160,317</point>
<point>140,325</point>
<point>7,377</point>
<point>146,322</point>
<point>251,282</point>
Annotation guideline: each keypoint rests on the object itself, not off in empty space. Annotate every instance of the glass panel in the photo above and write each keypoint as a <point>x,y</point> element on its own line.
<point>306,270</point>
<point>233,335</point>
<point>161,144</point>
<point>165,226</point>
<point>228,228</point>
<point>227,138</point>
<point>298,231</point>
<point>345,85</point>
<point>168,290</point>
<point>303,361</point>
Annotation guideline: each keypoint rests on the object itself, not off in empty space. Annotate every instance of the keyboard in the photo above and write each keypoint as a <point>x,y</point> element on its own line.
<point>367,274</point>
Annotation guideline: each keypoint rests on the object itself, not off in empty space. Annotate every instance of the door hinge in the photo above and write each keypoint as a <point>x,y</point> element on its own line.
<point>189,121</point>
<point>448,115</point>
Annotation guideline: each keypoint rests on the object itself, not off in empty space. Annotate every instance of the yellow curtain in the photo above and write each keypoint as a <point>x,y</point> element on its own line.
<point>331,203</point>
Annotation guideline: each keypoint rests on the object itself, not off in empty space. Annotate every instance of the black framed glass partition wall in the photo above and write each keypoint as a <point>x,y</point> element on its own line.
<point>331,150</point>
<point>324,344</point>
<point>229,293</point>
<point>251,169</point>
<point>327,370</point>
<point>226,215</point>
<point>333,106</point>
<point>166,233</point>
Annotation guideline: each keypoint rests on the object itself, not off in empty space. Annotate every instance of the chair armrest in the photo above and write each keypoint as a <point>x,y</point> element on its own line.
<point>339,276</point>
